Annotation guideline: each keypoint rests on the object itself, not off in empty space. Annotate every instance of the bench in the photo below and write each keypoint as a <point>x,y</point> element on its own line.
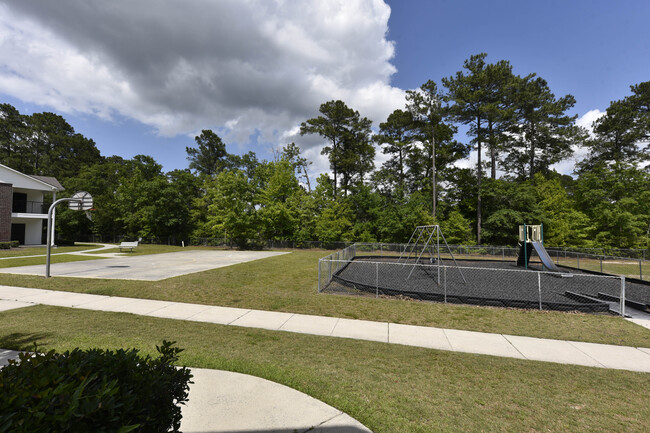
<point>129,245</point>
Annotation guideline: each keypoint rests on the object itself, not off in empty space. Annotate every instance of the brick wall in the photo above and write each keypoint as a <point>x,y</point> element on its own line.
<point>6,197</point>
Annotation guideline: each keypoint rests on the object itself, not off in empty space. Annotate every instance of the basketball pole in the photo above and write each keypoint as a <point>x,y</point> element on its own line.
<point>49,232</point>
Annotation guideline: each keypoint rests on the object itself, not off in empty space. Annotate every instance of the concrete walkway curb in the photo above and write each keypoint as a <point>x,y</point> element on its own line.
<point>225,402</point>
<point>511,346</point>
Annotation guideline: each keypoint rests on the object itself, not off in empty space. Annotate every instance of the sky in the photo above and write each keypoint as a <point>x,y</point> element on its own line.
<point>146,76</point>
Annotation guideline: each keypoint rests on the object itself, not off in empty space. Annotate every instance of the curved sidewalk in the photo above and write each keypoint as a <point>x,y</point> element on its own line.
<point>511,346</point>
<point>225,402</point>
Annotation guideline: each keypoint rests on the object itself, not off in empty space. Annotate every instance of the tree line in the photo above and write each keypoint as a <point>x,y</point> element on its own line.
<point>517,122</point>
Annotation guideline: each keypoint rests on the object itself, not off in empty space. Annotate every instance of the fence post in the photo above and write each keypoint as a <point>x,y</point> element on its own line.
<point>503,254</point>
<point>539,288</point>
<point>319,263</point>
<point>444,273</point>
<point>329,278</point>
<point>578,257</point>
<point>623,295</point>
<point>601,264</point>
<point>640,270</point>
<point>376,279</point>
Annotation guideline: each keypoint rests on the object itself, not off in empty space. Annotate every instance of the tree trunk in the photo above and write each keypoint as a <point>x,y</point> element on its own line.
<point>334,165</point>
<point>304,170</point>
<point>493,152</point>
<point>433,172</point>
<point>532,152</point>
<point>479,176</point>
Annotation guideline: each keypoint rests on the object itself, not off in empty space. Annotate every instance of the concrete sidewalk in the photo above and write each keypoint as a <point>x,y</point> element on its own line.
<point>223,401</point>
<point>537,349</point>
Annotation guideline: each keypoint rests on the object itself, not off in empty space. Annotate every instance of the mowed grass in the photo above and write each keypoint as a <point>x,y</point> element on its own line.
<point>54,258</point>
<point>289,283</point>
<point>389,388</point>
<point>35,251</point>
<point>629,268</point>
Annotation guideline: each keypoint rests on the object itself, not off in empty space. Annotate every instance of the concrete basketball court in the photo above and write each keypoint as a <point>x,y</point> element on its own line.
<point>151,267</point>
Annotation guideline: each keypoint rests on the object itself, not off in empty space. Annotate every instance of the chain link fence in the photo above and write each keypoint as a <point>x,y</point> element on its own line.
<point>376,269</point>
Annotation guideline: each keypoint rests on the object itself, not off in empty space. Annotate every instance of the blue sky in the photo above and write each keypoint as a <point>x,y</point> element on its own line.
<point>143,81</point>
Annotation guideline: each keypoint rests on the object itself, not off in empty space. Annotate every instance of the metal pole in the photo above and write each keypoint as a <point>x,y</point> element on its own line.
<point>601,264</point>
<point>49,233</point>
<point>320,261</point>
<point>438,248</point>
<point>525,247</point>
<point>376,280</point>
<point>640,270</point>
<point>539,288</point>
<point>623,295</point>
<point>445,278</point>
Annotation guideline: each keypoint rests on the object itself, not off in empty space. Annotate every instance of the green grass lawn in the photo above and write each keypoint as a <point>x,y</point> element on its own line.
<point>289,283</point>
<point>629,268</point>
<point>35,251</point>
<point>28,261</point>
<point>389,388</point>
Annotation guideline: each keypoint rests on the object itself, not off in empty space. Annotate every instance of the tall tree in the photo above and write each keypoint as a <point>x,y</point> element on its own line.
<point>425,107</point>
<point>542,133</point>
<point>498,110</point>
<point>467,92</point>
<point>396,134</point>
<point>44,144</point>
<point>640,100</point>
<point>291,153</point>
<point>350,151</point>
<point>617,137</point>
<point>12,135</point>
<point>210,157</point>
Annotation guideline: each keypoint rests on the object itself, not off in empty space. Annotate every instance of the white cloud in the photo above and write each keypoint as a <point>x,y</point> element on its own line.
<point>242,67</point>
<point>586,120</point>
<point>579,152</point>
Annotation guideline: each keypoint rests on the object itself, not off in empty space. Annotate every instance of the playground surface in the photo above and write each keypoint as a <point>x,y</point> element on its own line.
<point>494,283</point>
<point>152,267</point>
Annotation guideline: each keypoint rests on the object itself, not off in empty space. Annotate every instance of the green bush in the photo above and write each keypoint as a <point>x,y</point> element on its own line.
<point>93,390</point>
<point>5,245</point>
<point>15,244</point>
<point>61,242</point>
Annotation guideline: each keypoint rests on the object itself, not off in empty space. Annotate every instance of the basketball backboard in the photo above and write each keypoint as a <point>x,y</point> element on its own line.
<point>84,201</point>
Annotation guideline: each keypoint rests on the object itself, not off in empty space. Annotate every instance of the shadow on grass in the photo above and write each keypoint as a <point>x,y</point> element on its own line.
<point>23,341</point>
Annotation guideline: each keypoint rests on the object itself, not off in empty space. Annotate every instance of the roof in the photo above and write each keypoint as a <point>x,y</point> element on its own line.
<point>49,180</point>
<point>22,180</point>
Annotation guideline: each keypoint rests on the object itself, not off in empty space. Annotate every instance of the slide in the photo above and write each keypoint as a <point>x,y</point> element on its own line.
<point>543,255</point>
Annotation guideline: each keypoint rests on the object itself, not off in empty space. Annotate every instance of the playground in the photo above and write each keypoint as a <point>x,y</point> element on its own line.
<point>427,269</point>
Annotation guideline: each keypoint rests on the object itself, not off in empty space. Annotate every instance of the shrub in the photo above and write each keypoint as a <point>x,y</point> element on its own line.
<point>93,390</point>
<point>15,244</point>
<point>61,242</point>
<point>5,245</point>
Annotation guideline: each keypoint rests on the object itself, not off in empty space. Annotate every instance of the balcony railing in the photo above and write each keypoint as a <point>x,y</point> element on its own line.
<point>26,206</point>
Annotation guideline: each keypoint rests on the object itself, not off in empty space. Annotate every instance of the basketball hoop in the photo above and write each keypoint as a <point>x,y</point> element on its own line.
<point>81,200</point>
